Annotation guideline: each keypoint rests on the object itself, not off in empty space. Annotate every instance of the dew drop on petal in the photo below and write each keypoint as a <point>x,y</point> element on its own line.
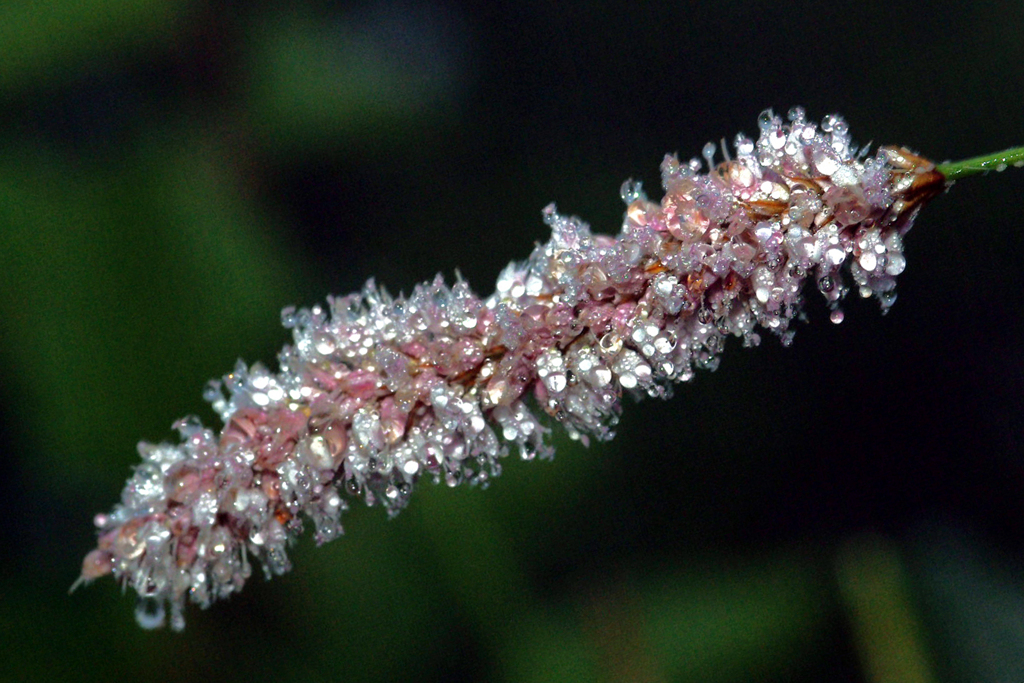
<point>825,163</point>
<point>642,372</point>
<point>896,265</point>
<point>836,316</point>
<point>325,344</point>
<point>744,145</point>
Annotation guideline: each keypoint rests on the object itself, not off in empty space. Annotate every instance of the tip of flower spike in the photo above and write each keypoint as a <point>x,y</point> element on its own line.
<point>916,179</point>
<point>97,563</point>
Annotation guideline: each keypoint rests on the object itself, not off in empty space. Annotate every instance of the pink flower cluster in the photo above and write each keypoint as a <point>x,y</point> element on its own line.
<point>378,392</point>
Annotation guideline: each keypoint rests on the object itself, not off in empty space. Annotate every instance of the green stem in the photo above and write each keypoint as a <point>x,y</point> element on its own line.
<point>983,164</point>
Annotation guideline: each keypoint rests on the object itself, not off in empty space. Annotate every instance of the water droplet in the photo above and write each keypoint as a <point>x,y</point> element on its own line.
<point>212,392</point>
<point>665,343</point>
<point>836,316</point>
<point>825,163</point>
<point>896,265</point>
<point>826,284</point>
<point>835,255</point>
<point>631,190</point>
<point>325,344</point>
<point>150,613</point>
<point>177,619</point>
<point>709,154</point>
<point>610,343</point>
<point>868,261</point>
<point>320,455</point>
<point>556,384</point>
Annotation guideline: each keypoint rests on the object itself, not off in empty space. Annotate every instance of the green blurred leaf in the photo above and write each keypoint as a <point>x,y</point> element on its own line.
<point>125,286</point>
<point>376,75</point>
<point>733,622</point>
<point>48,41</point>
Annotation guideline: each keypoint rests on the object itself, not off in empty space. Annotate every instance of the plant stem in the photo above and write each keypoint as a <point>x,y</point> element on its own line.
<point>983,164</point>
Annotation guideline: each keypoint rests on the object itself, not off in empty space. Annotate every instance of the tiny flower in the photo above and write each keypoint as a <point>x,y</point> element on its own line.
<point>377,393</point>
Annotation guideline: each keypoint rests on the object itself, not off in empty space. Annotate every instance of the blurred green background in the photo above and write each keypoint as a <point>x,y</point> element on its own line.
<point>174,172</point>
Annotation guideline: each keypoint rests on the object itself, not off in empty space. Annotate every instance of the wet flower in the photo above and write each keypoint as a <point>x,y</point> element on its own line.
<point>377,393</point>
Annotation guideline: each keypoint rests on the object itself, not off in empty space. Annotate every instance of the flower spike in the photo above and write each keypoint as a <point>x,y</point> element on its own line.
<point>377,393</point>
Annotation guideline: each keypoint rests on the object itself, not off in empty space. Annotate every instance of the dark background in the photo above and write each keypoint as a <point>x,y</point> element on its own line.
<point>174,172</point>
